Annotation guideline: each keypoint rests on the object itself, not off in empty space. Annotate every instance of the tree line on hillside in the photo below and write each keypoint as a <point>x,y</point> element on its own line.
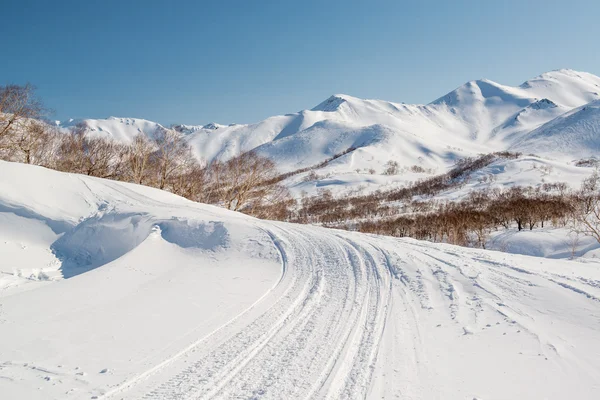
<point>413,211</point>
<point>165,161</point>
<point>471,221</point>
<point>326,209</point>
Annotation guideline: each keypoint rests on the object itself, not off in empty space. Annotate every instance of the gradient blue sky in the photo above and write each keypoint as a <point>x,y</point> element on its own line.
<point>196,62</point>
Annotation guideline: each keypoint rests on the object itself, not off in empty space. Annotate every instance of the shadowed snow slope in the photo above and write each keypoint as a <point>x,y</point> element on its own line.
<point>170,299</point>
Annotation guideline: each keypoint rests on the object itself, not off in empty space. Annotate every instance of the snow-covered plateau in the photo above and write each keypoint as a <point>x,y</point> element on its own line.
<point>111,290</point>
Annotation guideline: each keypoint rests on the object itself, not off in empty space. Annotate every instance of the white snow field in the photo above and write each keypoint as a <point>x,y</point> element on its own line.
<point>118,291</point>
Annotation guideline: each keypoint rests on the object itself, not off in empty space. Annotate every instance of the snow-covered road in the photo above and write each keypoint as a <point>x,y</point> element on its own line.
<point>358,316</point>
<point>188,301</point>
<point>316,334</point>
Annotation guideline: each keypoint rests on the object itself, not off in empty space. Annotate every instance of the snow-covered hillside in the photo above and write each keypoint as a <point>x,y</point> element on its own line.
<point>578,131</point>
<point>170,299</point>
<point>120,129</point>
<point>480,116</point>
<point>478,112</point>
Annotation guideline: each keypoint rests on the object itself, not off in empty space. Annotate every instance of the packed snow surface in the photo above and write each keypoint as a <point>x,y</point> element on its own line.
<point>169,299</point>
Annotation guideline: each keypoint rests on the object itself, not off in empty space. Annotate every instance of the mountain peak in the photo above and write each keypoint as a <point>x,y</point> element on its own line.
<point>480,90</point>
<point>333,102</point>
<point>560,75</point>
<point>542,104</point>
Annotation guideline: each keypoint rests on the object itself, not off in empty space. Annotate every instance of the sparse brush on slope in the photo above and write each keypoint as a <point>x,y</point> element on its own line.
<point>244,183</point>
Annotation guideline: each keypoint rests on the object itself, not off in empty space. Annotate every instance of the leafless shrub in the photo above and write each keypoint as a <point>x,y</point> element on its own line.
<point>417,169</point>
<point>171,155</point>
<point>17,103</point>
<point>139,158</point>
<point>311,176</point>
<point>587,210</point>
<point>31,142</point>
<point>391,168</point>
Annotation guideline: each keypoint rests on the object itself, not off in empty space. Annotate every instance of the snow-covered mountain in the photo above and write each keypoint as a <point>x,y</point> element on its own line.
<point>166,298</point>
<point>121,129</point>
<point>575,133</point>
<point>480,116</point>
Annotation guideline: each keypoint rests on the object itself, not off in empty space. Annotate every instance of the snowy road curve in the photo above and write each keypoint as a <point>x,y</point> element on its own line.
<point>358,316</point>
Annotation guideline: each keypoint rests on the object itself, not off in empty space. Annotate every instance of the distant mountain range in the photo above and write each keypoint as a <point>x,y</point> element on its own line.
<point>556,114</point>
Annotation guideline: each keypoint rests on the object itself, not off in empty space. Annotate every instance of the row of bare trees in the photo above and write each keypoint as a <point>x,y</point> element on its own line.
<point>471,221</point>
<point>468,222</point>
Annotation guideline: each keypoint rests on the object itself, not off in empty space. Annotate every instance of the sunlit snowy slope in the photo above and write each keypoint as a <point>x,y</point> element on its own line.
<point>479,116</point>
<point>553,116</point>
<point>168,299</point>
<point>578,131</point>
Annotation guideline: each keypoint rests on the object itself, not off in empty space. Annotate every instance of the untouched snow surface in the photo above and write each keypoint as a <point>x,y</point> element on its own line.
<point>169,299</point>
<point>578,131</point>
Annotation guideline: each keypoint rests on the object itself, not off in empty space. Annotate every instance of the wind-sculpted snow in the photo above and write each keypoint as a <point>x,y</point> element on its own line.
<point>99,240</point>
<point>196,302</point>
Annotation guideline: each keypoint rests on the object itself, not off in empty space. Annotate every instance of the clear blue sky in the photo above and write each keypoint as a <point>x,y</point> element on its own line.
<point>240,61</point>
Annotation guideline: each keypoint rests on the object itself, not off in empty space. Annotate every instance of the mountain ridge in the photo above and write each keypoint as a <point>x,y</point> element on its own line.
<point>479,116</point>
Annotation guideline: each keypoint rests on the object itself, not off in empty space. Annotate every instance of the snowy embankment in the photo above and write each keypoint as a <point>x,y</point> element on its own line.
<point>166,298</point>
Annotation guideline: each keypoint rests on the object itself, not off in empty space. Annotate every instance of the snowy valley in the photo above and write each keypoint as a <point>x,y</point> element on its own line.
<point>111,288</point>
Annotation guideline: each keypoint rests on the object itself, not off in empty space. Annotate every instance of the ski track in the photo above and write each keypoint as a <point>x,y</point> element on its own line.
<point>320,333</point>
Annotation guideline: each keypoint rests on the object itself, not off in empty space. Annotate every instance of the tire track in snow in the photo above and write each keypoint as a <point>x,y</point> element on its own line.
<point>324,330</point>
<point>214,367</point>
<point>319,340</point>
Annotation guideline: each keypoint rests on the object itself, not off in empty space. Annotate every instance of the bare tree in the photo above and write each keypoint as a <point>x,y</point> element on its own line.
<point>572,242</point>
<point>587,208</point>
<point>391,168</point>
<point>93,156</point>
<point>138,157</point>
<point>191,182</point>
<point>31,143</point>
<point>17,103</point>
<point>242,177</point>
<point>171,155</point>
